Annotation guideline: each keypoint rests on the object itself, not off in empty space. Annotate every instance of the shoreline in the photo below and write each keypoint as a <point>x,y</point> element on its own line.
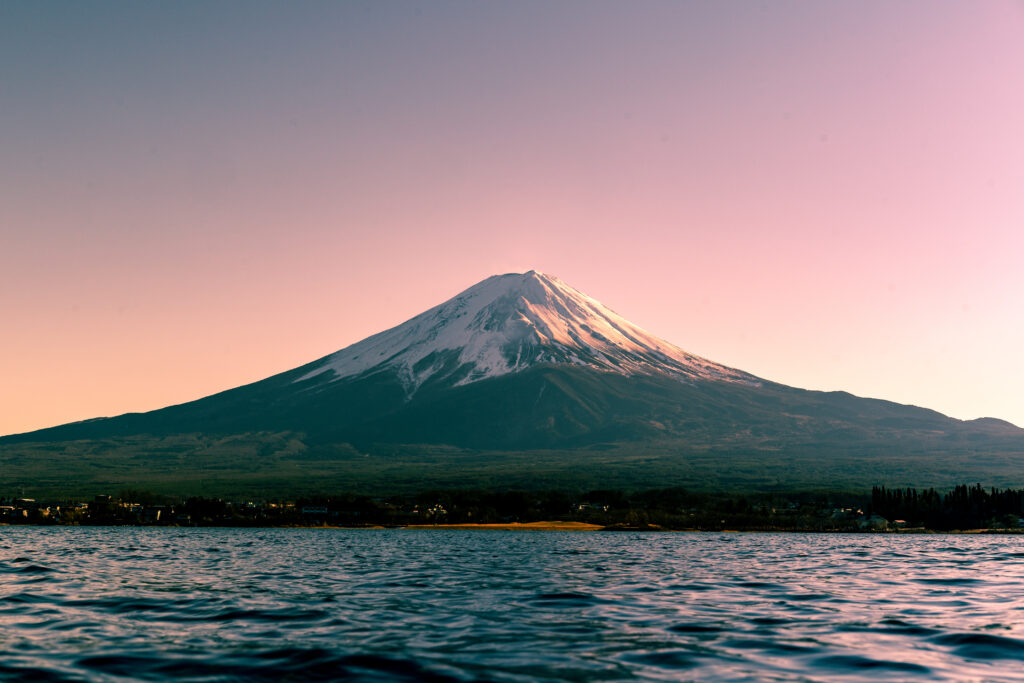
<point>583,526</point>
<point>555,525</point>
<point>514,526</point>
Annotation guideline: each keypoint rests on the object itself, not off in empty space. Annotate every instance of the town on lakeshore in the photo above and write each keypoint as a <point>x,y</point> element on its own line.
<point>962,508</point>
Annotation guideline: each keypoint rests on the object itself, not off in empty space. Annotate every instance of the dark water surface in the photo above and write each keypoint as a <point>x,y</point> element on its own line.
<point>119,604</point>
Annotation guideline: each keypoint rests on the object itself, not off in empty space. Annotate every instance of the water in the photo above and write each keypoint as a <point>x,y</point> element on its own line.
<point>117,604</point>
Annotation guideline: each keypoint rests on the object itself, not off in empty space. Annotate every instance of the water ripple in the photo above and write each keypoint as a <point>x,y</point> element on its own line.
<point>115,604</point>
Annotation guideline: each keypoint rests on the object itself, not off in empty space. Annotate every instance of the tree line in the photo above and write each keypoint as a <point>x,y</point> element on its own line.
<point>963,507</point>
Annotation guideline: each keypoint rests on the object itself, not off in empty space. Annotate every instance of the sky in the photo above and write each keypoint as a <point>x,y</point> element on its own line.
<point>198,195</point>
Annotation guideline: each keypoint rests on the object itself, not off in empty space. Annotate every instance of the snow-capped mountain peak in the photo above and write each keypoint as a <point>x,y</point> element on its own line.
<point>508,323</point>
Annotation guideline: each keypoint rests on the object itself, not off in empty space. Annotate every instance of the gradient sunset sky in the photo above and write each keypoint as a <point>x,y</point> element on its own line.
<point>197,195</point>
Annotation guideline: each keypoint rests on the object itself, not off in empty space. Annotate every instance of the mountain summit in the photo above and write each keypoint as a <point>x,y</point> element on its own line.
<point>509,323</point>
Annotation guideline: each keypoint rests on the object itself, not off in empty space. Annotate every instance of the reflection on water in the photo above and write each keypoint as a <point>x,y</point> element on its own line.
<point>116,604</point>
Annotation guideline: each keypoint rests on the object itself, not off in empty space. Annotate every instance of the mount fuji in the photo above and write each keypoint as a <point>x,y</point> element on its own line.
<point>510,323</point>
<point>524,380</point>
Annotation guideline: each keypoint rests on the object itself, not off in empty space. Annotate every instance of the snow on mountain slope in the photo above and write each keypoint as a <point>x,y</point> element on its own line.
<point>510,322</point>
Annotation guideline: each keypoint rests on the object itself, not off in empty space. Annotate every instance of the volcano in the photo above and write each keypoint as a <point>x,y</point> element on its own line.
<point>510,323</point>
<point>524,378</point>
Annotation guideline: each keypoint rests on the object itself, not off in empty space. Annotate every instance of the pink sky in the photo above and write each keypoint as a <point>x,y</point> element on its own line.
<point>828,195</point>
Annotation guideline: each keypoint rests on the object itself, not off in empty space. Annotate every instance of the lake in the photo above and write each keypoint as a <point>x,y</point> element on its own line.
<point>120,604</point>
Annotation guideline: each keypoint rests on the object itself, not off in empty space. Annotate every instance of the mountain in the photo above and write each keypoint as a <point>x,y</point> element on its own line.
<point>509,323</point>
<point>522,380</point>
